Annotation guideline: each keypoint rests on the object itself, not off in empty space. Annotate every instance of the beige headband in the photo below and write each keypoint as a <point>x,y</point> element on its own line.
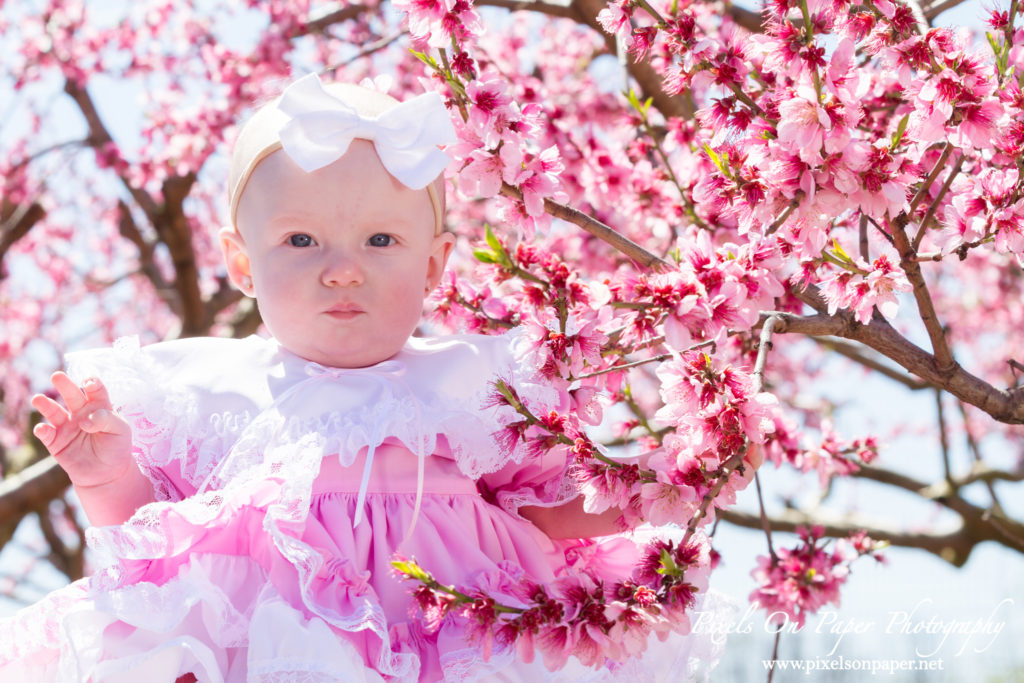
<point>261,137</point>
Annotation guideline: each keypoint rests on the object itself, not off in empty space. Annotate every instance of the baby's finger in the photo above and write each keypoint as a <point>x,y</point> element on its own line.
<point>74,397</point>
<point>45,433</point>
<point>51,411</point>
<point>96,392</point>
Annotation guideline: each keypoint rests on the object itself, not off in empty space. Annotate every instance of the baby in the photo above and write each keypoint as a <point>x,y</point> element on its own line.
<point>253,493</point>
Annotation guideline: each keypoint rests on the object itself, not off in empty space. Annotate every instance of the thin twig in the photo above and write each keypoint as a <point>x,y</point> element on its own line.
<point>863,228</point>
<point>943,438</point>
<point>765,525</point>
<point>926,185</point>
<point>935,203</point>
<point>856,353</point>
<point>626,366</point>
<point>975,451</point>
<point>881,231</point>
<point>368,50</point>
<point>644,361</point>
<point>775,654</point>
<point>46,150</point>
<point>778,222</point>
<point>764,345</point>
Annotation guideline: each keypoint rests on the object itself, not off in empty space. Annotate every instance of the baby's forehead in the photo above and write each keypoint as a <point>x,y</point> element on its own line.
<point>354,190</point>
<point>260,135</point>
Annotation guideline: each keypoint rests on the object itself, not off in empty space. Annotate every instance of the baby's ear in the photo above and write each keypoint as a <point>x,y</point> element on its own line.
<point>236,258</point>
<point>441,249</point>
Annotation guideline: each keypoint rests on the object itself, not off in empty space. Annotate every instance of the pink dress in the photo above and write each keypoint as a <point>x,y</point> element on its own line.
<point>284,490</point>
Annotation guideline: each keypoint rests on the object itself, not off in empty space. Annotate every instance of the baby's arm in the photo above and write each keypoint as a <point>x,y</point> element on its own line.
<point>94,446</point>
<point>569,520</point>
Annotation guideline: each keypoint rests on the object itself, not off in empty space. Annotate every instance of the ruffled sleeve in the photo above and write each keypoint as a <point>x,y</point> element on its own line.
<point>175,442</point>
<point>131,378</point>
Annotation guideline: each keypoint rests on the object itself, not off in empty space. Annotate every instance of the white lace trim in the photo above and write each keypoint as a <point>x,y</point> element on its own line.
<point>167,426</point>
<point>555,492</point>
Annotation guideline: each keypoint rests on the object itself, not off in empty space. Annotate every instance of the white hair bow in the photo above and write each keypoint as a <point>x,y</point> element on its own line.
<point>405,136</point>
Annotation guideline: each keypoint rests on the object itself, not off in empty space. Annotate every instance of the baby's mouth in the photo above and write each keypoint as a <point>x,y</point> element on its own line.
<point>344,311</point>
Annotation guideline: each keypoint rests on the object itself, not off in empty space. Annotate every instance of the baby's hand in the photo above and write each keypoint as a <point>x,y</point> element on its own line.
<point>89,440</point>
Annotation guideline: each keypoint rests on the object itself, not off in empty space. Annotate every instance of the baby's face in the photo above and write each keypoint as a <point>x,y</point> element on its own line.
<point>340,258</point>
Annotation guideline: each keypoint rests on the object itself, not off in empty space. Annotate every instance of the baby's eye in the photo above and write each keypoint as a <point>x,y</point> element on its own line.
<point>381,240</point>
<point>301,240</point>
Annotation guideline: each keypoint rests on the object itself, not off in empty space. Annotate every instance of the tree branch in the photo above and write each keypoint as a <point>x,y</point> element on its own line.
<point>168,219</point>
<point>172,225</point>
<point>321,24</point>
<point>70,561</point>
<point>925,307</point>
<point>814,325</point>
<point>954,547</point>
<point>933,11</point>
<point>99,136</point>
<point>981,524</point>
<point>922,192</point>
<point>923,227</point>
<point>1003,405</point>
<point>15,222</point>
<point>128,229</point>
<point>595,228</point>
<point>30,489</point>
<point>856,353</point>
<point>984,473</point>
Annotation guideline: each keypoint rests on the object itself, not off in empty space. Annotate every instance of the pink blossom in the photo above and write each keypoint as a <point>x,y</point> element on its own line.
<point>604,487</point>
<point>615,18</point>
<point>492,114</point>
<point>978,124</point>
<point>880,288</point>
<point>485,171</point>
<point>664,504</point>
<point>538,180</point>
<point>862,293</point>
<point>799,581</point>
<point>803,124</point>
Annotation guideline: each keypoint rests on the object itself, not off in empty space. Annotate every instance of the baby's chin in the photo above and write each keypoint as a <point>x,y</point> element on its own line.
<point>347,358</point>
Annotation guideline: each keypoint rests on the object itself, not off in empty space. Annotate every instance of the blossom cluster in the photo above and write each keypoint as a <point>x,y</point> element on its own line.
<point>711,291</point>
<point>830,456</point>
<point>796,582</point>
<point>583,615</point>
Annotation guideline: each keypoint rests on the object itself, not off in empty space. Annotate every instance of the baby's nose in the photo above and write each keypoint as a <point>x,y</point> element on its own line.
<point>341,270</point>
